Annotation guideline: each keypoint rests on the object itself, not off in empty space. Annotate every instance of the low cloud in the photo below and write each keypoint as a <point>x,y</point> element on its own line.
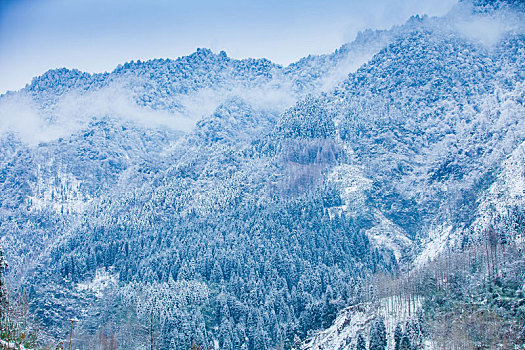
<point>116,102</point>
<point>33,124</point>
<point>22,116</point>
<point>486,28</point>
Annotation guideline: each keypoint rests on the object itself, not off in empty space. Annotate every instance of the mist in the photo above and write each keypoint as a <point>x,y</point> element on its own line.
<point>485,28</point>
<point>23,117</point>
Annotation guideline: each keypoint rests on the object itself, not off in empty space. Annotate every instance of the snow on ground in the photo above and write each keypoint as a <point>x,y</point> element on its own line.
<point>11,345</point>
<point>507,191</point>
<point>429,345</point>
<point>342,335</point>
<point>352,183</point>
<point>395,310</point>
<point>389,235</point>
<point>344,330</point>
<point>438,240</point>
<point>62,192</point>
<point>103,280</point>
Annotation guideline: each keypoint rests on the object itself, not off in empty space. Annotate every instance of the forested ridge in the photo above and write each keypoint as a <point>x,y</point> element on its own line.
<point>369,197</point>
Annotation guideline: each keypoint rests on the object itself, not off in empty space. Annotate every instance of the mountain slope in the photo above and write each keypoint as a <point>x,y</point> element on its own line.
<point>240,204</point>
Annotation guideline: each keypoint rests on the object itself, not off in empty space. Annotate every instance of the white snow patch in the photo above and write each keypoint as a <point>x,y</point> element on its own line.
<point>438,240</point>
<point>11,345</point>
<point>342,334</point>
<point>396,310</point>
<point>62,192</point>
<point>344,330</point>
<point>506,192</point>
<point>389,235</point>
<point>352,182</point>
<point>103,280</point>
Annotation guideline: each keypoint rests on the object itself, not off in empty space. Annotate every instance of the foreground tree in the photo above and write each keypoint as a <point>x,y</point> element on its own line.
<point>361,343</point>
<point>4,305</point>
<point>378,335</point>
<point>398,335</point>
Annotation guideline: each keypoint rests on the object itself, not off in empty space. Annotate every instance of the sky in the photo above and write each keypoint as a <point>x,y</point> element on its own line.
<point>97,35</point>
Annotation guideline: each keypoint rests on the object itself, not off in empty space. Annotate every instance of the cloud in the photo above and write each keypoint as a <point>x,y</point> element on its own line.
<point>20,115</point>
<point>486,28</point>
<point>115,102</point>
<point>33,124</point>
<point>383,14</point>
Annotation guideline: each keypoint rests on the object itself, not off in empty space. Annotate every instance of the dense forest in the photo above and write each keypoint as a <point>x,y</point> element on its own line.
<point>371,198</point>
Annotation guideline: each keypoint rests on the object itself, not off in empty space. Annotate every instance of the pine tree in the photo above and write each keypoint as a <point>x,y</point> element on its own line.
<point>398,335</point>
<point>3,292</point>
<point>422,326</point>
<point>329,311</point>
<point>413,331</point>
<point>378,335</point>
<point>361,343</point>
<point>405,343</point>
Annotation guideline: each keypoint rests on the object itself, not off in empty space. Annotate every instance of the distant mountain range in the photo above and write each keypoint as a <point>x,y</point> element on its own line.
<point>241,204</point>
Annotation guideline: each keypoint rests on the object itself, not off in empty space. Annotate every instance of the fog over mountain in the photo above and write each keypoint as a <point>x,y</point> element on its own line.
<point>374,195</point>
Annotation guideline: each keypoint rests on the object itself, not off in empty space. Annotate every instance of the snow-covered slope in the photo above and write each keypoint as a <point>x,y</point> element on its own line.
<point>263,194</point>
<point>455,157</point>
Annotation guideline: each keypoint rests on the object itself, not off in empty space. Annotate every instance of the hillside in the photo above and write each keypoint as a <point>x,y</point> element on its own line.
<point>239,204</point>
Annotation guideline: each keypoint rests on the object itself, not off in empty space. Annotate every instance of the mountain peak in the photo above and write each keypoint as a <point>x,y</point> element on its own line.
<point>61,79</point>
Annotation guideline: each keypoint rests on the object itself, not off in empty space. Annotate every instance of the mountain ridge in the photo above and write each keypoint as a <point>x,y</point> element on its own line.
<point>287,191</point>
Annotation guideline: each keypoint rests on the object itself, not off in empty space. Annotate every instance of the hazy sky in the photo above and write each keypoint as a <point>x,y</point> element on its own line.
<point>97,35</point>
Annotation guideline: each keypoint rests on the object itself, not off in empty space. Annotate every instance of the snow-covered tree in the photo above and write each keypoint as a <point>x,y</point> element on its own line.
<point>361,342</point>
<point>377,338</point>
<point>398,335</point>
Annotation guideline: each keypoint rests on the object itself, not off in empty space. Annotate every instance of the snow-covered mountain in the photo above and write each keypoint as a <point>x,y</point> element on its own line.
<point>241,204</point>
